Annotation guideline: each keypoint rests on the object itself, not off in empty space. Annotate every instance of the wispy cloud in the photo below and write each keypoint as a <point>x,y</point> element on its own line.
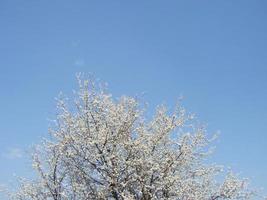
<point>75,43</point>
<point>13,153</point>
<point>79,62</point>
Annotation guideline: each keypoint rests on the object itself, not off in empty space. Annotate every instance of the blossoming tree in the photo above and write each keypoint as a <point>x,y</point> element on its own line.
<point>103,148</point>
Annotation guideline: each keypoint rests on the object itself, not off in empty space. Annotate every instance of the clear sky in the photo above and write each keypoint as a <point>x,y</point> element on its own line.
<point>214,53</point>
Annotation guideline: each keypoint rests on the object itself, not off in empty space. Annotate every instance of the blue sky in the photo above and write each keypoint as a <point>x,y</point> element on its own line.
<point>212,52</point>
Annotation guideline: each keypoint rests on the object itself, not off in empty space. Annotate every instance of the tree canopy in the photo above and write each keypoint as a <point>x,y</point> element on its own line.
<point>104,148</point>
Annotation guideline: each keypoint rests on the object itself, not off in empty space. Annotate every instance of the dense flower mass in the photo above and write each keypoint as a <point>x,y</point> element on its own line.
<point>103,148</point>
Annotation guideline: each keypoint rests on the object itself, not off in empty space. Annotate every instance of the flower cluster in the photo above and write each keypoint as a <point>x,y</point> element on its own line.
<point>103,148</point>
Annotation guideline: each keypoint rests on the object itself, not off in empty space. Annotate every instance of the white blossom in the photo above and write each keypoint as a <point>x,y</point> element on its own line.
<point>103,148</point>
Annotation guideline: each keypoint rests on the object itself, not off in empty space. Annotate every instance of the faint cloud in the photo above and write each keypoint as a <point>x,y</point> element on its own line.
<point>79,62</point>
<point>75,43</point>
<point>13,153</point>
